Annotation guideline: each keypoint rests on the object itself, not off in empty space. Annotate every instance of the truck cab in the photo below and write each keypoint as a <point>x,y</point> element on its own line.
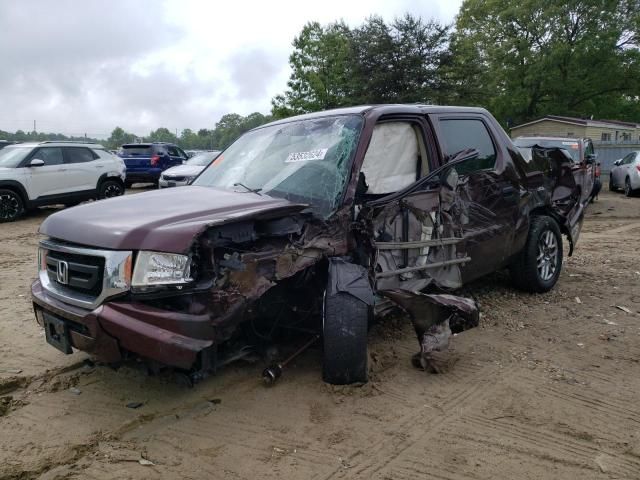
<point>317,220</point>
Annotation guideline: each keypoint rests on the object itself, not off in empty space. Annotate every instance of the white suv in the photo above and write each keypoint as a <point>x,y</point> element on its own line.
<point>47,173</point>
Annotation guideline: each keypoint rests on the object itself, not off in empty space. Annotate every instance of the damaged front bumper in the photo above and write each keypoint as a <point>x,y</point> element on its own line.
<point>116,328</point>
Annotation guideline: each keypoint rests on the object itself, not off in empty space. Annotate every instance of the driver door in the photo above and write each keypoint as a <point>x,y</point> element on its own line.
<point>51,178</point>
<point>410,245</point>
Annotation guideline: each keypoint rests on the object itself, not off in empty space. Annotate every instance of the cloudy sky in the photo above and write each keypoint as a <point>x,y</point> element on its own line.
<point>85,66</point>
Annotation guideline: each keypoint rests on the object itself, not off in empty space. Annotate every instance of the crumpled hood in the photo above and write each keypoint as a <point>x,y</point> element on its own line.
<point>164,220</point>
<point>183,170</point>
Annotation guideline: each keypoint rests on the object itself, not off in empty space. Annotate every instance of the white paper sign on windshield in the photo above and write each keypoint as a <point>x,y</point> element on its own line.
<point>317,154</point>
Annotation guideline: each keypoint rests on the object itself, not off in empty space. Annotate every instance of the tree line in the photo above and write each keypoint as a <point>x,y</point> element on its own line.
<point>521,60</point>
<point>225,131</point>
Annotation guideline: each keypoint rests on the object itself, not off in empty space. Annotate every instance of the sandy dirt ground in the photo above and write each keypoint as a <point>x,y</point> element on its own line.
<point>547,387</point>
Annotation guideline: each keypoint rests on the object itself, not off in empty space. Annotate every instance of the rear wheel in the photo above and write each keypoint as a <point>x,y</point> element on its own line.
<point>344,323</point>
<point>538,266</point>
<point>11,206</point>
<point>110,189</point>
<point>628,191</point>
<point>612,187</point>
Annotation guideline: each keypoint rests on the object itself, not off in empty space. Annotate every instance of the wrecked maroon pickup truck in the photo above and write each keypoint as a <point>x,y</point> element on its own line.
<point>309,225</point>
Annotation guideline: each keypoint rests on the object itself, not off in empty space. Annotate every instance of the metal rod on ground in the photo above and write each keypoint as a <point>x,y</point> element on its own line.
<point>272,373</point>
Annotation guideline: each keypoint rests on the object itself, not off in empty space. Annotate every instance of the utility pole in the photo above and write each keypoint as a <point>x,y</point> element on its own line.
<point>34,125</point>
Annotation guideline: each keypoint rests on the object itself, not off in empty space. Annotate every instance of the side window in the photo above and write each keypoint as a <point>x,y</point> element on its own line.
<point>395,158</point>
<point>173,151</point>
<point>463,134</point>
<point>50,155</point>
<point>78,155</point>
<point>159,150</point>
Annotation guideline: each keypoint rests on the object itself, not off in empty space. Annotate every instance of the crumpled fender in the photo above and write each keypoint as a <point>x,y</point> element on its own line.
<point>347,277</point>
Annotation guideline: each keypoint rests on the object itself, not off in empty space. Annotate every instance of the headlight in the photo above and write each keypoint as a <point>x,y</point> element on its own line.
<point>157,268</point>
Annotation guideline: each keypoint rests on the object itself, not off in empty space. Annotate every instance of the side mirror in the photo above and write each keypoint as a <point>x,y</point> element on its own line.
<point>617,163</point>
<point>36,162</point>
<point>590,158</point>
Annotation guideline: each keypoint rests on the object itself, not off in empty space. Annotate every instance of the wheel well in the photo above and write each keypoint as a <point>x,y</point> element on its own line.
<point>105,178</point>
<point>547,211</point>
<point>17,191</point>
<point>544,210</point>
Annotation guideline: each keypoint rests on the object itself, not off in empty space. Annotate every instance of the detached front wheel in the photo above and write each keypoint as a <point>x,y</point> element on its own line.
<point>344,324</point>
<point>537,268</point>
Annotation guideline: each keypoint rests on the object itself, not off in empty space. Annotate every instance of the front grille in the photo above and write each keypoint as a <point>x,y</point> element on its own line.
<point>84,273</point>
<point>174,178</point>
<point>83,276</point>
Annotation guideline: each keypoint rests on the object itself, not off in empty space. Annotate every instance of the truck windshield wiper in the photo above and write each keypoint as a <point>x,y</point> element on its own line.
<point>252,190</point>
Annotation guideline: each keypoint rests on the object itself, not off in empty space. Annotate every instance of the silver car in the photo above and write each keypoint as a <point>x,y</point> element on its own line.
<point>184,174</point>
<point>626,174</point>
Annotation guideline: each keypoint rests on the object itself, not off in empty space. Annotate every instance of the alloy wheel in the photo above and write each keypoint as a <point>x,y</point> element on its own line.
<point>9,206</point>
<point>547,259</point>
<point>112,190</point>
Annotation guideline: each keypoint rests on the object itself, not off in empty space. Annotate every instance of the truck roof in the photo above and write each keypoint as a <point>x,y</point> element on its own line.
<point>382,109</point>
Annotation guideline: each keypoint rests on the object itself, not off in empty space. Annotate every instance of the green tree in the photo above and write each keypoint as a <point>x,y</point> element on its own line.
<point>535,57</point>
<point>232,125</point>
<point>162,134</point>
<point>400,62</point>
<point>119,137</point>
<point>335,66</point>
<point>321,62</point>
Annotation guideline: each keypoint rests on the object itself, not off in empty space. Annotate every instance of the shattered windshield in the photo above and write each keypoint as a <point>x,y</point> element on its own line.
<point>307,161</point>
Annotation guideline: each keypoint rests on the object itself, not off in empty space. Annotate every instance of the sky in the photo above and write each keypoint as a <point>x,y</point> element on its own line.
<point>87,66</point>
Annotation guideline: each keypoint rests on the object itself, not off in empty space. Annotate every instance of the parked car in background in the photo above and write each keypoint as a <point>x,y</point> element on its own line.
<point>4,143</point>
<point>50,173</point>
<point>184,174</point>
<point>146,161</point>
<point>310,225</point>
<point>582,153</point>
<point>625,174</point>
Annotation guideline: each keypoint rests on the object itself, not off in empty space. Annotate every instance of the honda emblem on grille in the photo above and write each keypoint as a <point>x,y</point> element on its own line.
<point>62,275</point>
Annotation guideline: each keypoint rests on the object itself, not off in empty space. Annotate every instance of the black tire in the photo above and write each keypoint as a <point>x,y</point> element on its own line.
<point>11,205</point>
<point>110,189</point>
<point>612,187</point>
<point>628,191</point>
<point>345,325</point>
<point>537,267</point>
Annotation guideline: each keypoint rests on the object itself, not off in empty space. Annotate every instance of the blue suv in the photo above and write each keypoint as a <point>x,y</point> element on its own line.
<point>146,161</point>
